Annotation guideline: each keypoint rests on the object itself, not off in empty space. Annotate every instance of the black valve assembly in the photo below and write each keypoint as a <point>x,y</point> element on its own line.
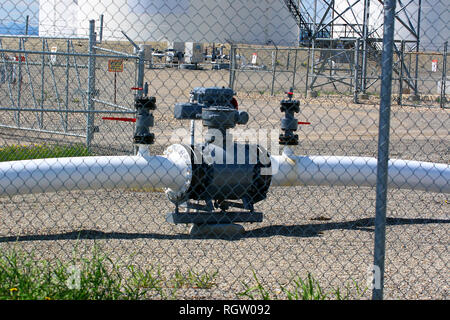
<point>225,174</point>
<point>144,118</point>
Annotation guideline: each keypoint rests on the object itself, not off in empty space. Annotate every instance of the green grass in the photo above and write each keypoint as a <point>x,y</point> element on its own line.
<point>95,276</point>
<point>19,152</point>
<point>300,289</point>
<point>22,277</point>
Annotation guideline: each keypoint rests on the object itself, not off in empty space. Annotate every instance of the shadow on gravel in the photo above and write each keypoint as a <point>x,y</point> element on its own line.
<point>305,230</point>
<point>317,229</point>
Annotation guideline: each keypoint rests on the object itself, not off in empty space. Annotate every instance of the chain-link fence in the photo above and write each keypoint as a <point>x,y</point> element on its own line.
<point>185,183</point>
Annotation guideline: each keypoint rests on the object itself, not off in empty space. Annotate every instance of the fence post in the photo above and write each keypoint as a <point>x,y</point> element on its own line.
<point>416,75</point>
<point>141,71</point>
<point>383,147</point>
<point>41,117</point>
<point>307,72</point>
<point>364,46</point>
<point>19,82</point>
<point>443,99</point>
<point>295,68</point>
<point>91,86</point>
<point>274,69</point>
<point>101,29</point>
<point>400,82</point>
<point>232,66</point>
<point>356,72</point>
<point>66,119</point>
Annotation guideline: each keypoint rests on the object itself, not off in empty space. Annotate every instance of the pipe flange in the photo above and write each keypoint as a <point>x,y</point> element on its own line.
<point>178,154</point>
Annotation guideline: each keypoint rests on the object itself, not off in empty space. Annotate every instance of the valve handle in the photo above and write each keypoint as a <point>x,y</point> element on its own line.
<point>119,119</point>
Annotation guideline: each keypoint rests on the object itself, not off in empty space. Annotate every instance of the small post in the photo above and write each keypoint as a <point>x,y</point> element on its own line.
<point>115,87</point>
<point>91,86</point>
<point>444,77</point>
<point>383,147</point>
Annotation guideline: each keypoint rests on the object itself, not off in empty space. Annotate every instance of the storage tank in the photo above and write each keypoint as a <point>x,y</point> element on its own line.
<point>58,18</point>
<point>242,21</point>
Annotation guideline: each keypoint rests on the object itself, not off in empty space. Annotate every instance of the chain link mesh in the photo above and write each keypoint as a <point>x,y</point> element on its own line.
<point>67,90</point>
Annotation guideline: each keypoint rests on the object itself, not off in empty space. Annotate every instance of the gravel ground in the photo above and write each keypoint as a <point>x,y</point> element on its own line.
<point>323,230</point>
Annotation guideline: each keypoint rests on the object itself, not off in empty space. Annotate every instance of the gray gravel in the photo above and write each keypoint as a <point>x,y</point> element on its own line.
<point>323,230</point>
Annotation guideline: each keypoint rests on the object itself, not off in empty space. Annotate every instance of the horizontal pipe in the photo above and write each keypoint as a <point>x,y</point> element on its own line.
<point>66,111</point>
<point>25,36</point>
<point>44,130</point>
<point>75,54</point>
<point>145,171</point>
<point>90,173</point>
<point>291,170</point>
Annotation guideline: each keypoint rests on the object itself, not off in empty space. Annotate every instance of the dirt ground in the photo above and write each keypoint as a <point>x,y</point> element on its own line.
<point>327,231</point>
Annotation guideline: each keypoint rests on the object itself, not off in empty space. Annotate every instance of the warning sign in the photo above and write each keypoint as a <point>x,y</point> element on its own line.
<point>115,65</point>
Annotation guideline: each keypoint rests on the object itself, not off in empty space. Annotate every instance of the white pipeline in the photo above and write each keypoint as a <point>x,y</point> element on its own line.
<point>83,173</point>
<point>291,170</point>
<point>173,171</point>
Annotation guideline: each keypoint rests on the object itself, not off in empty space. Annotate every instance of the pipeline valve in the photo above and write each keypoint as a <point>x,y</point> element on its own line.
<point>144,119</point>
<point>289,124</point>
<point>225,175</point>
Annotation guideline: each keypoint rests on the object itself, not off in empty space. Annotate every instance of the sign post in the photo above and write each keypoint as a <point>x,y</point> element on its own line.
<point>115,65</point>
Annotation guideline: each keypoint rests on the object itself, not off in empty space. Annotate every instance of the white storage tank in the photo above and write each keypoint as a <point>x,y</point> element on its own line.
<point>241,21</point>
<point>58,18</point>
<point>202,21</point>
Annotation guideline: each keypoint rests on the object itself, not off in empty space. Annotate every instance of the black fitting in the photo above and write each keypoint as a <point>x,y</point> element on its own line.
<point>289,123</point>
<point>144,120</point>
